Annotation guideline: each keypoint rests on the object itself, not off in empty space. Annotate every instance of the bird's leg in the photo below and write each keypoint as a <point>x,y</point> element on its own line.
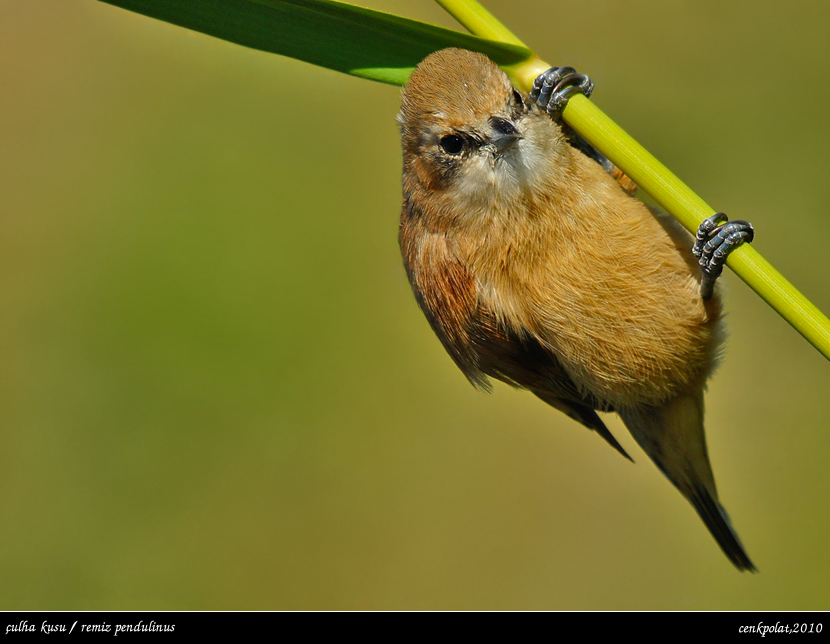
<point>716,238</point>
<point>552,89</point>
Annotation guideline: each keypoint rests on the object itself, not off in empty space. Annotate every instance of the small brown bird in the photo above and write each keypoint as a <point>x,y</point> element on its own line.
<point>535,267</point>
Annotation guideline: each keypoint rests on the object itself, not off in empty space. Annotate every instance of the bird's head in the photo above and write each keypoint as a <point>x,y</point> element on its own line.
<point>468,135</point>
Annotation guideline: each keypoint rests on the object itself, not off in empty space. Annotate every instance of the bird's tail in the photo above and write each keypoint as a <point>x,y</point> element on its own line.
<point>672,435</point>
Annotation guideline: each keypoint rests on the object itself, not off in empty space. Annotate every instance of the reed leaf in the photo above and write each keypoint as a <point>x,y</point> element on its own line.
<point>343,37</point>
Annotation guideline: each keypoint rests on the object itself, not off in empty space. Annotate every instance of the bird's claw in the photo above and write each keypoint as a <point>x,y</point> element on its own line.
<point>552,89</point>
<point>716,238</point>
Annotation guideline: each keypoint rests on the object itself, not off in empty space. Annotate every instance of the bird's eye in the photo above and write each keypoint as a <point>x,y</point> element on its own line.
<point>517,98</point>
<point>452,144</point>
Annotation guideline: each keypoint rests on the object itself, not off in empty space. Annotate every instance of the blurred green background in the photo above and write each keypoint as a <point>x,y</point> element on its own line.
<point>217,391</point>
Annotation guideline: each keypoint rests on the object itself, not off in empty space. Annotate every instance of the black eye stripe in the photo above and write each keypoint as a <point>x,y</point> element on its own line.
<point>452,144</point>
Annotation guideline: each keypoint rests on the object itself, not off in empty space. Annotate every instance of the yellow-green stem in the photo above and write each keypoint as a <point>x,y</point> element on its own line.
<point>652,176</point>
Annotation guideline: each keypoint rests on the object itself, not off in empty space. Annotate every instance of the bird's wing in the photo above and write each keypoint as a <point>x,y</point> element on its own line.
<point>443,288</point>
<point>584,415</point>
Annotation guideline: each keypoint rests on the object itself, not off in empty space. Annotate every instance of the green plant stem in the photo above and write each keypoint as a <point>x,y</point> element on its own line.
<point>652,176</point>
<point>477,20</point>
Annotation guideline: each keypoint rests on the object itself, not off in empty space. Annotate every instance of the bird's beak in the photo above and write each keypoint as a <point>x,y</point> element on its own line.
<point>504,133</point>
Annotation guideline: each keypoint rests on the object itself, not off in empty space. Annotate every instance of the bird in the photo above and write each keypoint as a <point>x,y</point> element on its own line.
<point>536,266</point>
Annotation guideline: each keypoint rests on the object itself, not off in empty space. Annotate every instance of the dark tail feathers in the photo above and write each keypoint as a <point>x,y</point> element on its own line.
<point>716,519</point>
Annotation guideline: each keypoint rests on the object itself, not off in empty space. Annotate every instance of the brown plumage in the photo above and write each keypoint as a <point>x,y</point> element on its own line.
<point>534,267</point>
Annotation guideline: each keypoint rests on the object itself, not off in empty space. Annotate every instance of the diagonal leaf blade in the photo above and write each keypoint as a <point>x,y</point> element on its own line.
<point>343,37</point>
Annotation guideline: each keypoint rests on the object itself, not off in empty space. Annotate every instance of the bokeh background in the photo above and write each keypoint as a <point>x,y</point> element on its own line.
<point>216,389</point>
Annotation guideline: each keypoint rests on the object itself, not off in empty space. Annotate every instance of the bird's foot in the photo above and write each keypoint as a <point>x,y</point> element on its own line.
<point>716,238</point>
<point>552,89</point>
